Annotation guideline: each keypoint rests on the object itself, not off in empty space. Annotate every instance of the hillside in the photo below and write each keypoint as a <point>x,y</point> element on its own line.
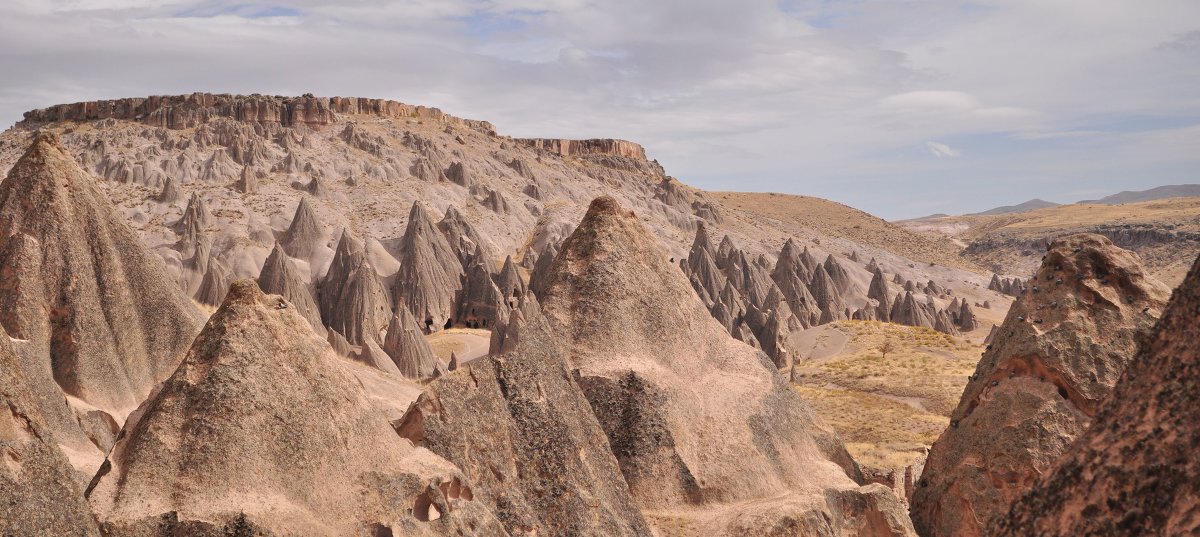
<point>1165,233</point>
<point>1027,206</point>
<point>1156,193</point>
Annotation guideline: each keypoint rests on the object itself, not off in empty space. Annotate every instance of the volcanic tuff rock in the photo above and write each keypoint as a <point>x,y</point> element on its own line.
<point>305,234</point>
<point>481,303</point>
<point>1063,345</point>
<point>430,274</point>
<point>1134,470</point>
<point>102,322</point>
<point>279,276</point>
<point>406,344</point>
<point>695,418</point>
<point>464,240</point>
<point>38,491</point>
<point>352,298</point>
<point>303,451</point>
<point>526,438</point>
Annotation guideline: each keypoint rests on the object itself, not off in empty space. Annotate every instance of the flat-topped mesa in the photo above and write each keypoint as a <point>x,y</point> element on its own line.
<point>595,146</point>
<point>192,110</point>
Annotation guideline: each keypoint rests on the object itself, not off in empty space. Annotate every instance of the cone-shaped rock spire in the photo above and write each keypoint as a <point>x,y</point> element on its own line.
<point>352,299</point>
<point>406,345</point>
<point>305,234</point>
<point>298,437</point>
<point>101,320</point>
<point>430,273</point>
<point>280,277</point>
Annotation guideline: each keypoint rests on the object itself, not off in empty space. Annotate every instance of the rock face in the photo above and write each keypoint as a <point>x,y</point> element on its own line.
<point>1134,470</point>
<point>430,274</point>
<point>406,345</point>
<point>305,234</point>
<point>38,491</point>
<point>302,450</point>
<point>279,276</point>
<point>352,298</point>
<point>102,321</point>
<point>524,435</point>
<point>1058,354</point>
<point>695,418</point>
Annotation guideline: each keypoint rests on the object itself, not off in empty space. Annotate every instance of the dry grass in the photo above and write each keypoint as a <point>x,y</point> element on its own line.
<point>879,432</point>
<point>887,408</point>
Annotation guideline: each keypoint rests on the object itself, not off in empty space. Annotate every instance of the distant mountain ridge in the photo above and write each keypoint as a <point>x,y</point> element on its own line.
<point>1156,193</point>
<point>1027,206</point>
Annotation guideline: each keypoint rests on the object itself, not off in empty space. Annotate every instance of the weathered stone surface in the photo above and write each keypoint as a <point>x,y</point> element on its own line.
<point>622,308</point>
<point>101,320</point>
<point>430,274</point>
<point>406,345</point>
<point>1134,470</point>
<point>604,146</point>
<point>1062,347</point>
<point>279,276</point>
<point>39,494</point>
<point>524,435</point>
<point>305,234</point>
<point>303,451</point>
<point>352,299</point>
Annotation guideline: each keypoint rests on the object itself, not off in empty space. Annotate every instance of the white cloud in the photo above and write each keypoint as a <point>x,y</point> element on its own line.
<point>817,99</point>
<point>940,150</point>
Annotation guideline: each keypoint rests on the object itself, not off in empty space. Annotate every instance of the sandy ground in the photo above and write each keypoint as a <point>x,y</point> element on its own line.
<point>467,343</point>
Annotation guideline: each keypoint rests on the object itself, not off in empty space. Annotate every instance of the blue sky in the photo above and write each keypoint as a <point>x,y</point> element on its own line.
<point>898,107</point>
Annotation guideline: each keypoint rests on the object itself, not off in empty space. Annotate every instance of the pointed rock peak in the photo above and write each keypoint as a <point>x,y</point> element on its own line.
<point>430,273</point>
<point>39,495</point>
<point>1062,347</point>
<point>273,394</point>
<point>462,237</point>
<point>280,277</point>
<point>305,234</point>
<point>453,362</point>
<point>1115,479</point>
<point>352,298</point>
<point>170,192</point>
<point>509,281</point>
<point>701,242</point>
<point>196,215</point>
<point>103,320</point>
<point>247,182</point>
<point>646,346</point>
<point>214,285</point>
<point>408,348</point>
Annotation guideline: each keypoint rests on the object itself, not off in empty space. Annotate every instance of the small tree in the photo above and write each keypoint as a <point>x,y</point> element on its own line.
<point>886,347</point>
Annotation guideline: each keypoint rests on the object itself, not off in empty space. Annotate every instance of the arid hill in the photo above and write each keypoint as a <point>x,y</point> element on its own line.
<point>1163,232</point>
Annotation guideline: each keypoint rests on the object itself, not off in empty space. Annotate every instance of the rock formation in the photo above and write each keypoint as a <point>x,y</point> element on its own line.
<point>1061,348</point>
<point>170,193</point>
<point>280,277</point>
<point>305,234</point>
<point>406,345</point>
<point>650,358</point>
<point>827,298</point>
<point>303,451</point>
<point>195,217</point>
<point>526,438</point>
<point>247,182</point>
<point>101,320</point>
<point>481,303</point>
<point>39,494</point>
<point>1134,470</point>
<point>352,299</point>
<point>509,280</point>
<point>430,272</point>
<point>464,240</point>
<point>878,291</point>
<point>213,286</point>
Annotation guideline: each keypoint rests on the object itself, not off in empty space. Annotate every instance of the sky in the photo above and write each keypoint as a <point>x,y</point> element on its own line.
<point>901,108</point>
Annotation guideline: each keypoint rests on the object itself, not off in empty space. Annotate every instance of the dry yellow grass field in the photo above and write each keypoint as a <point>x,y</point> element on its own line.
<point>888,408</point>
